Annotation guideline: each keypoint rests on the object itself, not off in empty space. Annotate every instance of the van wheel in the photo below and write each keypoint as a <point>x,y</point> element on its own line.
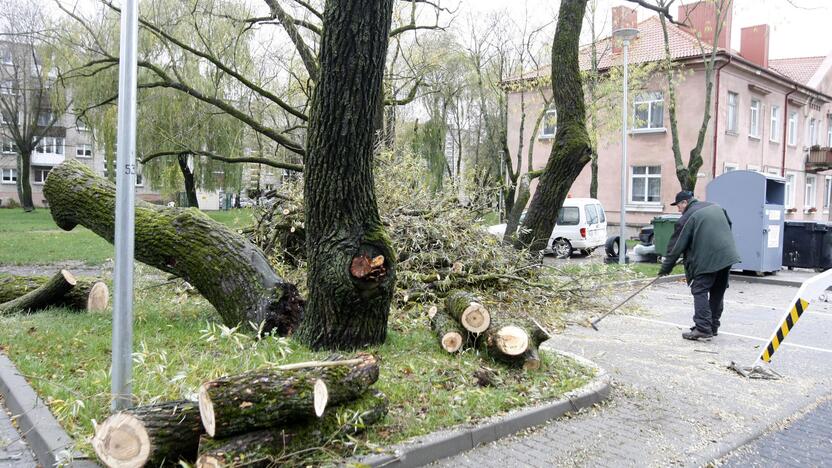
<point>562,248</point>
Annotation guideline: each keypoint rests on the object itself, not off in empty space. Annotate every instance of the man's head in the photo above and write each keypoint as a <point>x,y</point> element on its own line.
<point>682,200</point>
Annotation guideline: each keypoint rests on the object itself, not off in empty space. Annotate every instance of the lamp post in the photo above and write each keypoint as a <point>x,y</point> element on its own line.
<point>625,35</point>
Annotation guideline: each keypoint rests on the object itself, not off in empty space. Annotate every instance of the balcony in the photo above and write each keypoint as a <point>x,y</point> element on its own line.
<point>47,159</point>
<point>819,159</point>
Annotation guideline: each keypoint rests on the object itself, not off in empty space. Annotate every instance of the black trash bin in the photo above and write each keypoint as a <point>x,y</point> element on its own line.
<point>807,244</point>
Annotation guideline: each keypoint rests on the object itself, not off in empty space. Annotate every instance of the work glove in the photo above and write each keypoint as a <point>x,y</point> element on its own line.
<point>665,270</point>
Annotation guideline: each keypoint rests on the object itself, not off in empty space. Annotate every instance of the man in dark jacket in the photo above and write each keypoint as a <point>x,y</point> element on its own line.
<point>703,235</point>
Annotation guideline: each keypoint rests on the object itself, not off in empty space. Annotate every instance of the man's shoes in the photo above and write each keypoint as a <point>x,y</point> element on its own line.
<point>696,334</point>
<point>715,331</point>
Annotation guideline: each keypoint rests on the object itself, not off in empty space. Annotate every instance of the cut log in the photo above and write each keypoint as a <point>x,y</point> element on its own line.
<point>227,269</point>
<point>149,435</point>
<point>514,341</point>
<point>265,398</point>
<point>464,307</point>
<point>286,446</point>
<point>451,334</point>
<point>43,296</point>
<point>89,294</point>
<point>506,341</point>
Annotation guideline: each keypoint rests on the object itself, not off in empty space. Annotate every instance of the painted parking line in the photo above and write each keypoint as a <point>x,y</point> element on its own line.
<point>756,306</point>
<point>764,340</point>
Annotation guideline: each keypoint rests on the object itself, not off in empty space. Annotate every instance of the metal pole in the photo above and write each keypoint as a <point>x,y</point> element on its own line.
<point>622,239</point>
<point>125,209</point>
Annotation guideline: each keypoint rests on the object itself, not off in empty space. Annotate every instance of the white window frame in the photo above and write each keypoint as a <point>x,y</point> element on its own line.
<point>12,175</point>
<point>83,151</point>
<point>37,170</point>
<point>827,193</point>
<point>792,132</point>
<point>81,126</point>
<point>754,119</point>
<point>813,132</point>
<point>753,167</point>
<point>733,114</point>
<point>829,131</point>
<point>6,56</point>
<point>546,117</point>
<point>648,176</point>
<point>651,102</point>
<point>9,147</point>
<point>791,181</point>
<point>810,192</point>
<point>7,87</point>
<point>774,131</point>
<point>50,145</point>
<point>45,118</point>
<point>728,167</point>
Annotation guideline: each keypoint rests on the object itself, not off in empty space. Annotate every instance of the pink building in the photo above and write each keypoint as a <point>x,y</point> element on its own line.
<point>772,116</point>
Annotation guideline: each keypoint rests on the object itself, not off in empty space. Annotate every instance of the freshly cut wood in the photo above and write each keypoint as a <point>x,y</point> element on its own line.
<point>451,334</point>
<point>506,340</point>
<point>464,307</point>
<point>272,447</point>
<point>268,397</point>
<point>514,341</point>
<point>149,435</point>
<point>90,294</point>
<point>228,270</point>
<point>43,296</point>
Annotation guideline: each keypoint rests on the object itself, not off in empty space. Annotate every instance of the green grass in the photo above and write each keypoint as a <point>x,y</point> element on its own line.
<point>178,345</point>
<point>33,238</point>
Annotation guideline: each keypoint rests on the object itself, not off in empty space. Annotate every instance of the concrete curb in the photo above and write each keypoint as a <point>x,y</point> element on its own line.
<point>51,445</point>
<point>770,280</point>
<point>432,447</point>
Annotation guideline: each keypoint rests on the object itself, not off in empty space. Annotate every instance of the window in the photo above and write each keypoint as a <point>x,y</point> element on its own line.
<point>9,146</point>
<point>550,124</point>
<point>139,180</point>
<point>793,128</point>
<point>754,126</point>
<point>733,102</point>
<point>5,118</point>
<point>827,192</point>
<point>774,131</point>
<point>646,183</point>
<point>45,119</point>
<point>648,112</point>
<point>8,87</point>
<point>813,134</point>
<point>50,145</point>
<point>40,174</point>
<point>602,217</point>
<point>591,214</point>
<point>810,200</point>
<point>568,216</point>
<point>790,178</point>
<point>81,126</point>
<point>730,167</point>
<point>6,57</point>
<point>829,131</point>
<point>9,176</point>
<point>83,151</point>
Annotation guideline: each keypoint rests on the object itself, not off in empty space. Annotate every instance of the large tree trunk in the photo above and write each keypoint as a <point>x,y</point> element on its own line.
<point>190,186</point>
<point>571,150</point>
<point>227,269</point>
<point>43,296</point>
<point>149,435</point>
<point>24,182</point>
<point>89,294</point>
<point>348,306</point>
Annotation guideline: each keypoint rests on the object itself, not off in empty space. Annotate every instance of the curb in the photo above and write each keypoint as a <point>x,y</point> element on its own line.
<point>766,280</point>
<point>438,445</point>
<point>51,445</point>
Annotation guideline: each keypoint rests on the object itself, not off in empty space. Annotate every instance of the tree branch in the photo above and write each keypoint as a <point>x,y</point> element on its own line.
<point>664,11</point>
<point>407,99</point>
<point>248,159</point>
<point>288,22</point>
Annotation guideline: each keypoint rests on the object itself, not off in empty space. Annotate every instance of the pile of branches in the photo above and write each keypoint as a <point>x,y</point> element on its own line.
<point>267,417</point>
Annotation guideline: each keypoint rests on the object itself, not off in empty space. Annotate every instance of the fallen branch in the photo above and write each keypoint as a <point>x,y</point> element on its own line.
<point>89,294</point>
<point>43,296</point>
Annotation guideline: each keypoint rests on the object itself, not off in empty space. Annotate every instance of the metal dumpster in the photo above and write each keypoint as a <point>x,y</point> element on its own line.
<point>807,244</point>
<point>663,227</point>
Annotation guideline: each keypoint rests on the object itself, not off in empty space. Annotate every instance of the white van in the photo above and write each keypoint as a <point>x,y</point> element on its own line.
<point>581,225</point>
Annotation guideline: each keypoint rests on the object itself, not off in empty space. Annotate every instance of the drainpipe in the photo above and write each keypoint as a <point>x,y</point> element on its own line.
<point>786,130</point>
<point>716,116</point>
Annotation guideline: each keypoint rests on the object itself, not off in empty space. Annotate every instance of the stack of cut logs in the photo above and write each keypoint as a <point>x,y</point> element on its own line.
<point>265,417</point>
<point>466,322</point>
<point>34,293</point>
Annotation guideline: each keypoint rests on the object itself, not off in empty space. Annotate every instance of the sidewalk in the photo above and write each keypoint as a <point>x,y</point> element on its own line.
<point>13,449</point>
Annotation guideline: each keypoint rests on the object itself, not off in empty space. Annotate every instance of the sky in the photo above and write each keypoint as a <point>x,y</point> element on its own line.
<point>799,28</point>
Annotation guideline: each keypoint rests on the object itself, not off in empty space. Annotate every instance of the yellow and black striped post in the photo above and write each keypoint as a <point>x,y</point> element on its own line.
<point>785,327</point>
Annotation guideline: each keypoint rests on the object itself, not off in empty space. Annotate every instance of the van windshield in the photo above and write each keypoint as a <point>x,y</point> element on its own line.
<point>569,216</point>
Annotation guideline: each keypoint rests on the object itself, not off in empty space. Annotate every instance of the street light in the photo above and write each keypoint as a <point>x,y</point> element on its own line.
<point>625,35</point>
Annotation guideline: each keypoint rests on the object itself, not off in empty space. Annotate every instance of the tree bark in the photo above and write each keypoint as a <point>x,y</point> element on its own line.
<point>346,310</point>
<point>451,335</point>
<point>190,186</point>
<point>43,296</point>
<point>514,341</point>
<point>24,182</point>
<point>265,398</point>
<point>571,150</point>
<point>273,447</point>
<point>89,294</point>
<point>523,194</point>
<point>229,271</point>
<point>468,311</point>
<point>150,435</point>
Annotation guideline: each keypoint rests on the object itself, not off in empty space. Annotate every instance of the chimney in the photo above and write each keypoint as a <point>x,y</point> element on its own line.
<point>754,44</point>
<point>622,17</point>
<point>700,18</point>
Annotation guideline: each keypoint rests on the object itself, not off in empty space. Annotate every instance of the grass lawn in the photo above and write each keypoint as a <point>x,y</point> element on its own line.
<point>33,238</point>
<point>178,344</point>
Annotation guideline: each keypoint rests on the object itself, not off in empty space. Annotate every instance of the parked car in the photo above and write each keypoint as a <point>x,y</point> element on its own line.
<point>581,225</point>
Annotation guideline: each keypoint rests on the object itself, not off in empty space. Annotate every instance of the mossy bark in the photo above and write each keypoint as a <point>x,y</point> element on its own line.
<point>45,295</point>
<point>227,269</point>
<point>286,446</point>
<point>450,333</point>
<point>266,398</point>
<point>571,150</point>
<point>346,310</point>
<point>12,287</point>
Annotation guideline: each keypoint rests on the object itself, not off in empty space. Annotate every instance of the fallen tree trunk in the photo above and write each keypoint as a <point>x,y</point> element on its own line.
<point>149,435</point>
<point>514,341</point>
<point>265,398</point>
<point>90,294</point>
<point>43,296</point>
<point>272,447</point>
<point>464,307</point>
<point>228,270</point>
<point>451,335</point>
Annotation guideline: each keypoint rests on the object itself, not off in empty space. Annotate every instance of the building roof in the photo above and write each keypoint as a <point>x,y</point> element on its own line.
<point>800,69</point>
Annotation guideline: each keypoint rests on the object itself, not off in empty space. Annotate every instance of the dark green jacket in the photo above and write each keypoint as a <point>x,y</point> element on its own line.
<point>703,235</point>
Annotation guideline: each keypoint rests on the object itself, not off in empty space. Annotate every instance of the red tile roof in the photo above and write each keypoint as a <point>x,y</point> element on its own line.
<point>799,69</point>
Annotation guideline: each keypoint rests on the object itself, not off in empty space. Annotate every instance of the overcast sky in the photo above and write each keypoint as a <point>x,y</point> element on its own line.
<point>799,28</point>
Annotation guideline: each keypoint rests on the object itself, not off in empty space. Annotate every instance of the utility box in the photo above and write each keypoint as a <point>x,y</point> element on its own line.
<point>807,244</point>
<point>755,203</point>
<point>663,227</point>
